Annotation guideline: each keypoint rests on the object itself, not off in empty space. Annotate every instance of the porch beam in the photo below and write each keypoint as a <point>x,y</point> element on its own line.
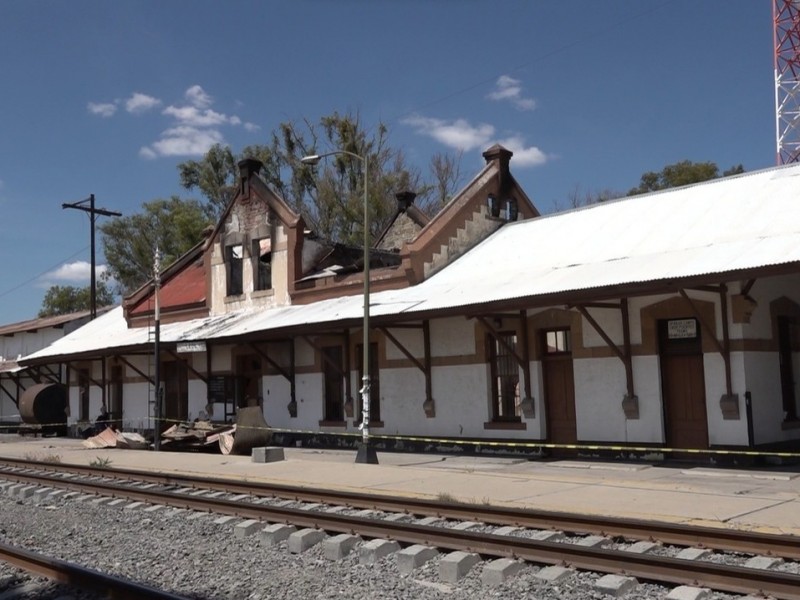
<point>705,326</point>
<point>9,394</point>
<point>748,286</point>
<point>496,335</point>
<point>526,368</point>
<point>324,358</point>
<point>601,332</point>
<point>426,344</point>
<point>403,349</point>
<point>626,340</point>
<point>726,341</point>
<point>269,359</point>
<point>136,369</point>
<point>177,356</point>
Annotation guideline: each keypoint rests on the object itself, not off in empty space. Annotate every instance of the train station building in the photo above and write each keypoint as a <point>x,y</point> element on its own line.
<point>669,320</point>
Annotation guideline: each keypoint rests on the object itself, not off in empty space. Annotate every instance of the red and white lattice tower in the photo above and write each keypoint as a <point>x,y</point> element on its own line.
<point>786,18</point>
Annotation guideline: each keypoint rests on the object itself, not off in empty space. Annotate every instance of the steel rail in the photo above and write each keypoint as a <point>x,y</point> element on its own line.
<point>108,586</point>
<point>716,538</point>
<point>784,586</point>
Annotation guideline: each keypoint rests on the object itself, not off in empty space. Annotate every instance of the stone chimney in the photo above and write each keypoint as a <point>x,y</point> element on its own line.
<point>249,167</point>
<point>503,157</point>
<point>404,200</point>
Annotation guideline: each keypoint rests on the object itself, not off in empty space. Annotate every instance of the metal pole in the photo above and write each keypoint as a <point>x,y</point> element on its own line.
<point>365,396</point>
<point>157,353</point>
<point>93,292</point>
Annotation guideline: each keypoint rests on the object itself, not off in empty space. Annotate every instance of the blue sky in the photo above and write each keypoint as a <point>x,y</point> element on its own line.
<point>109,97</point>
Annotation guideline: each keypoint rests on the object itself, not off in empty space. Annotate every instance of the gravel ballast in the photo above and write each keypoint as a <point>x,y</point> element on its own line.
<point>198,558</point>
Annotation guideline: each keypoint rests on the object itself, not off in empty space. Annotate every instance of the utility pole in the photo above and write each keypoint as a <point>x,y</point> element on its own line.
<point>157,349</point>
<point>93,213</point>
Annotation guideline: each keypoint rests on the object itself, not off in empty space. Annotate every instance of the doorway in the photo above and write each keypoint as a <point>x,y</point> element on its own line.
<point>683,386</point>
<point>559,386</point>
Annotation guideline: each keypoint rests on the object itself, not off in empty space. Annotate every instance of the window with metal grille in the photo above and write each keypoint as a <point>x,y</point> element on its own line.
<point>505,377</point>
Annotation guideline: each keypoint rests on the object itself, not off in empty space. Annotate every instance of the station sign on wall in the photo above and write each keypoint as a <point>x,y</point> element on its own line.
<point>191,347</point>
<point>682,329</point>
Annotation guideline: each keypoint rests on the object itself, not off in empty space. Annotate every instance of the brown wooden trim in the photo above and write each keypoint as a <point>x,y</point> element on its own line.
<point>526,354</point>
<point>726,341</point>
<point>402,349</point>
<point>601,332</point>
<point>187,362</point>
<point>626,337</point>
<point>132,366</point>
<point>747,287</point>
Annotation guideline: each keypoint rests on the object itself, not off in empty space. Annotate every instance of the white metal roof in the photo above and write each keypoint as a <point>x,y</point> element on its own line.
<point>730,224</point>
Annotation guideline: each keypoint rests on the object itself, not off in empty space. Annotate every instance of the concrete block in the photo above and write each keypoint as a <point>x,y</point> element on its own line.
<point>548,536</point>
<point>272,535</point>
<point>85,497</point>
<point>763,562</point>
<point>402,517</point>
<point>466,525</point>
<point>312,506</point>
<point>175,512</point>
<point>302,540</point>
<point>14,488</point>
<point>196,515</point>
<point>268,454</point>
<point>499,570</point>
<point>456,565</point>
<point>431,521</point>
<point>71,495</point>
<point>134,505</point>
<point>365,514</point>
<point>339,546</point>
<point>198,493</point>
<point>642,547</point>
<point>215,494</point>
<point>374,550</point>
<point>101,500</point>
<point>116,502</point>
<point>414,556</point>
<point>594,541</point>
<point>335,509</point>
<point>687,592</point>
<point>615,585</point>
<point>693,554</point>
<point>246,528</point>
<point>283,503</point>
<point>26,491</point>
<point>225,520</point>
<point>40,493</point>
<point>239,497</point>
<point>154,508</point>
<point>553,574</point>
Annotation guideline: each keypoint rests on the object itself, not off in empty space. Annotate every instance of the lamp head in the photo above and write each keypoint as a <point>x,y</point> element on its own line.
<point>311,159</point>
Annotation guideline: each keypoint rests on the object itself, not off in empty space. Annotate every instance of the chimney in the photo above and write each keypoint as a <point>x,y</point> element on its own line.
<point>503,157</point>
<point>404,200</point>
<point>249,167</point>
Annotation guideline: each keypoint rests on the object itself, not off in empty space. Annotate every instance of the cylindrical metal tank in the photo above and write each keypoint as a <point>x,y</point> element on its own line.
<point>44,404</point>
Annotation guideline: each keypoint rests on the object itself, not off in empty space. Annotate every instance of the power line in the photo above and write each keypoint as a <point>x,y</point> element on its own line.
<point>35,277</point>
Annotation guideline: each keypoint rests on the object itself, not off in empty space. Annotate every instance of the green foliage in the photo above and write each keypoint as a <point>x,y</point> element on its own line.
<point>66,299</point>
<point>129,242</point>
<point>216,173</point>
<point>100,462</point>
<point>681,173</point>
<point>329,196</point>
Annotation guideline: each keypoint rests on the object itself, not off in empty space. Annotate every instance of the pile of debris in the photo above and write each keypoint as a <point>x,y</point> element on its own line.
<point>109,438</point>
<point>196,435</point>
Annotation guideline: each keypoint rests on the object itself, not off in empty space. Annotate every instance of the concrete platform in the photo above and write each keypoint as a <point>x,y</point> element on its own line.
<point>763,499</point>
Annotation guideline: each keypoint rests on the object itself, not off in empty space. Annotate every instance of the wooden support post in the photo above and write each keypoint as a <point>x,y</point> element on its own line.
<point>178,357</point>
<point>429,405</point>
<point>136,369</point>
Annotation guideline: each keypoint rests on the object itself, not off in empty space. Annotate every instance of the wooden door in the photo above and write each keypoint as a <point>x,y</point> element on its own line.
<point>683,384</point>
<point>176,391</point>
<point>559,387</point>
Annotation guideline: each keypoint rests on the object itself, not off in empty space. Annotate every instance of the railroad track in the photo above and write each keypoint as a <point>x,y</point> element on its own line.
<point>190,493</point>
<point>71,574</point>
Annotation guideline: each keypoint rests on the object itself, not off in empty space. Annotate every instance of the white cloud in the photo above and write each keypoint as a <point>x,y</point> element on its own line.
<point>524,156</point>
<point>251,126</point>
<point>198,97</point>
<point>458,134</point>
<point>183,140</point>
<point>102,109</point>
<point>508,88</point>
<point>139,103</point>
<point>79,272</point>
<point>192,116</point>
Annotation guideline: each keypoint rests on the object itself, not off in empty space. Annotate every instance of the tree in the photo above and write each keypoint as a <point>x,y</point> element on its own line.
<point>330,196</point>
<point>129,243</point>
<point>680,173</point>
<point>216,173</point>
<point>66,299</point>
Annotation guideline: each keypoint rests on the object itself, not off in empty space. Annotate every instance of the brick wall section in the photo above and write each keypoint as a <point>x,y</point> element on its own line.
<point>403,229</point>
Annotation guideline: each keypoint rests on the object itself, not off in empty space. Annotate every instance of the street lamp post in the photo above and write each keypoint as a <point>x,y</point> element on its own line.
<point>366,453</point>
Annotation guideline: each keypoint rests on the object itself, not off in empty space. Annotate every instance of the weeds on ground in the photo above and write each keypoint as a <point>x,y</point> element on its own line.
<point>446,497</point>
<point>101,462</point>
<point>39,457</point>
